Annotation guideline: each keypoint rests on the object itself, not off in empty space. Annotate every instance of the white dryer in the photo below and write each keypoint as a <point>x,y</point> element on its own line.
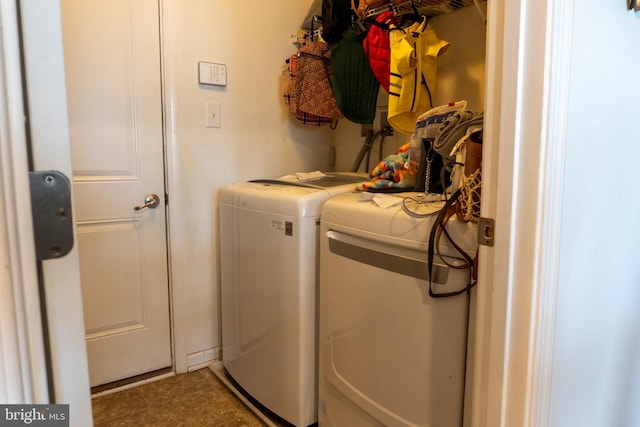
<point>269,246</point>
<point>390,354</point>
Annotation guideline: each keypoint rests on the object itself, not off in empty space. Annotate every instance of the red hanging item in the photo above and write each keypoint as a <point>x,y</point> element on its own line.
<point>376,46</point>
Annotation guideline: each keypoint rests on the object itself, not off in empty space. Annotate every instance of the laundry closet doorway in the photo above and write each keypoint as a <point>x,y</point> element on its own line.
<point>114,95</point>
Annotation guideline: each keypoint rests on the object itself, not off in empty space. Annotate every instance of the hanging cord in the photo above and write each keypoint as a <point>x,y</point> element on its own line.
<point>437,230</point>
<point>381,144</point>
<point>382,133</point>
<point>368,156</point>
<point>365,150</point>
<point>439,227</point>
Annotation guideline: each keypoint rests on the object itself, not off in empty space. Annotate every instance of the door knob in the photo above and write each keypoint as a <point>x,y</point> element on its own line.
<point>151,201</point>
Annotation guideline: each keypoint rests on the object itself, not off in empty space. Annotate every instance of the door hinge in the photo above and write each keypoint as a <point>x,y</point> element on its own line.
<point>486,230</point>
<point>51,211</point>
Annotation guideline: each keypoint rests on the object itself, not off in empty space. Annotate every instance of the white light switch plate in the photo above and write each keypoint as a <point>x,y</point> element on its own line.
<point>213,115</point>
<point>210,73</point>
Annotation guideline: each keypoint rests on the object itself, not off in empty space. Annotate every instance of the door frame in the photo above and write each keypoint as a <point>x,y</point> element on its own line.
<point>178,265</point>
<point>56,372</point>
<point>24,370</point>
<point>528,62</point>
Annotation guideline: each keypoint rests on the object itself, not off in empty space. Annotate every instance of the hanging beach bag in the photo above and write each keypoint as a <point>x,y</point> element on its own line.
<point>287,82</point>
<point>312,85</point>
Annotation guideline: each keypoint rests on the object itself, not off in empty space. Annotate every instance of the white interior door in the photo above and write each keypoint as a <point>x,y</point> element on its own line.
<point>112,65</point>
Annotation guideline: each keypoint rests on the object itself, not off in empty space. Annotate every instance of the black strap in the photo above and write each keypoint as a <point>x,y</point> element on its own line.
<point>439,225</point>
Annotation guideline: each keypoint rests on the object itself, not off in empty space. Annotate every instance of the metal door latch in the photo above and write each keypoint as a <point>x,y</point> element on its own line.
<point>151,201</point>
<point>51,211</point>
<point>486,230</point>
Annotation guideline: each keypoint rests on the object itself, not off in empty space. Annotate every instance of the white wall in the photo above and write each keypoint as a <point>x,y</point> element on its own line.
<point>596,361</point>
<point>257,139</point>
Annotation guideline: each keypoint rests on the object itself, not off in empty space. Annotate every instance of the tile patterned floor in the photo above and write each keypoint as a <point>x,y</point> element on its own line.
<point>195,399</point>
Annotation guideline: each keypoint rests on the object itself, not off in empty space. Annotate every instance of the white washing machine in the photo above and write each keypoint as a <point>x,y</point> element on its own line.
<point>269,246</point>
<point>389,353</point>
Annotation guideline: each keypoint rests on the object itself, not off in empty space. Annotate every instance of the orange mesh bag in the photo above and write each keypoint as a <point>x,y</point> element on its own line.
<point>468,206</point>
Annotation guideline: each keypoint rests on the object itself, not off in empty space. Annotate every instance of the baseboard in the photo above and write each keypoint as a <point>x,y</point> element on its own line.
<point>131,382</point>
<point>202,359</point>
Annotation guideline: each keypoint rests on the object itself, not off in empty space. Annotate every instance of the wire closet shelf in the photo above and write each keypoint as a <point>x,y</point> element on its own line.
<point>435,7</point>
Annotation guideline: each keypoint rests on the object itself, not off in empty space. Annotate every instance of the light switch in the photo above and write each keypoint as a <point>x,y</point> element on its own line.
<point>213,115</point>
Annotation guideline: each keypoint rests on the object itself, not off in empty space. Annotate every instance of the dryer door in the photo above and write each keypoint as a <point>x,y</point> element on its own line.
<point>390,354</point>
